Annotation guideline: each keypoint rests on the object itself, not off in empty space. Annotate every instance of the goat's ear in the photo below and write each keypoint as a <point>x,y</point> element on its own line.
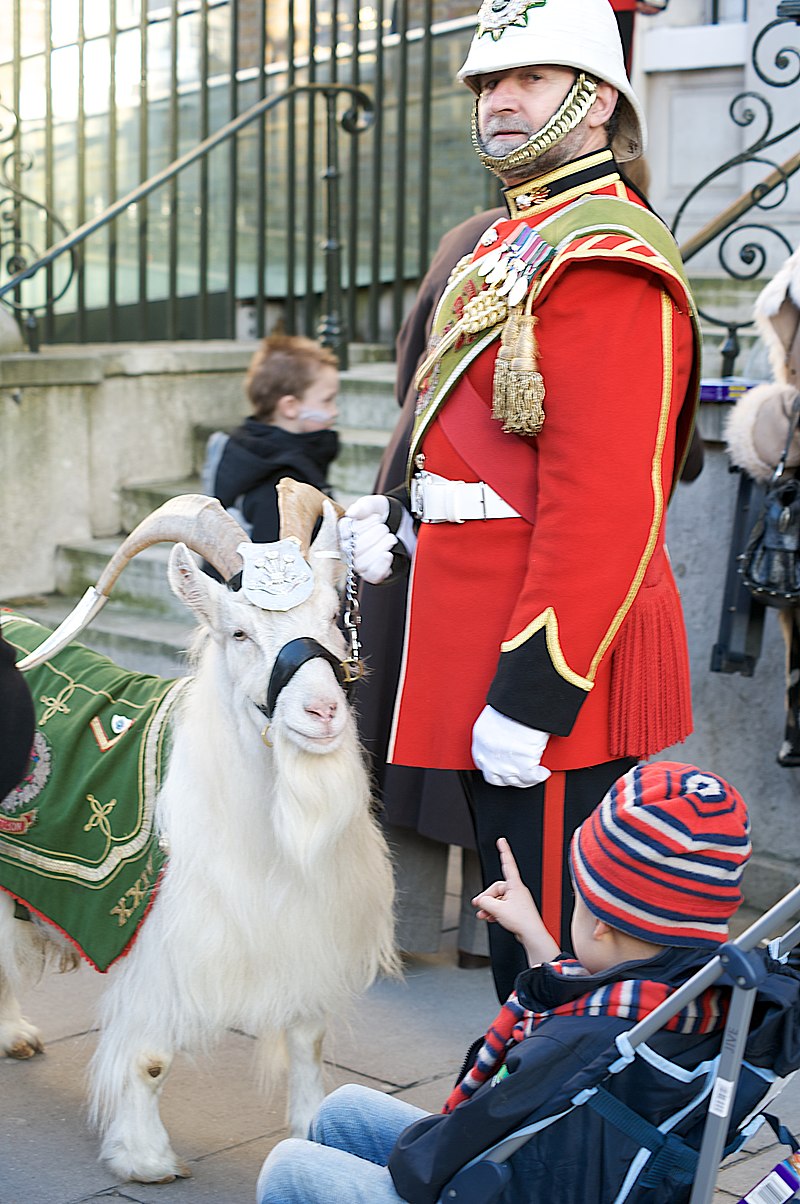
<point>190,583</point>
<point>325,553</point>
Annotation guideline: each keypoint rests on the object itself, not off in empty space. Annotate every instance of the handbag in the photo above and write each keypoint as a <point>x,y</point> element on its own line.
<point>770,563</point>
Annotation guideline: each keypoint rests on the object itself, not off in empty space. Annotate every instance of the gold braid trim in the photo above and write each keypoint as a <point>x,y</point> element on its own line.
<point>547,620</point>
<point>483,311</point>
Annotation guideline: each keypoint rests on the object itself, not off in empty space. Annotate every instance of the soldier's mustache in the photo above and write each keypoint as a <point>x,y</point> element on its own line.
<point>504,125</point>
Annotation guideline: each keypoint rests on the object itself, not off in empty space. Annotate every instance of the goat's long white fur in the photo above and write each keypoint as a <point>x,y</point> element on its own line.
<point>276,904</point>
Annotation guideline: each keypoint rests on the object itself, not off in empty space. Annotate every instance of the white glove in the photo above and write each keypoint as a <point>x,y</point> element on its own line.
<point>365,521</point>
<point>506,752</point>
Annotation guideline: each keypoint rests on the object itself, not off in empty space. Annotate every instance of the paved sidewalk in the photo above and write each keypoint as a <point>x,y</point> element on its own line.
<point>408,1038</point>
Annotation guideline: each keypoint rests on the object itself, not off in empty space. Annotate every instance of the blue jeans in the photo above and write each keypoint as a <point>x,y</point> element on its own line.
<point>350,1140</point>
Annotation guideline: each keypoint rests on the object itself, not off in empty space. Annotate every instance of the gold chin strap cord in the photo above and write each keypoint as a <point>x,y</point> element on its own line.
<point>571,113</point>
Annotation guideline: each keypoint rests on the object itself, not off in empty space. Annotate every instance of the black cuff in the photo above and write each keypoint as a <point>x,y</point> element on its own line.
<point>396,511</point>
<point>528,687</point>
<point>401,561</point>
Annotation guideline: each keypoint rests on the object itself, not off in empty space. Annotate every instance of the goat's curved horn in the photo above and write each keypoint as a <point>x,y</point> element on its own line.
<point>299,506</point>
<point>191,518</point>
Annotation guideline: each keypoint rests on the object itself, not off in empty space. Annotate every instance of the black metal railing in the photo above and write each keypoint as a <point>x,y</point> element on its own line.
<point>232,244</point>
<point>760,247</point>
<point>356,119</point>
<point>237,242</point>
<point>747,248</point>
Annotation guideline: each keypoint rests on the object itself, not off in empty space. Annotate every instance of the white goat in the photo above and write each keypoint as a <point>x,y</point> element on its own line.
<point>276,903</point>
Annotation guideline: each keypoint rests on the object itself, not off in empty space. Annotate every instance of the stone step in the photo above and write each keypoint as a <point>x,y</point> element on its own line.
<point>129,635</point>
<point>368,353</point>
<point>366,397</point>
<point>354,470</point>
<point>352,474</point>
<point>143,584</point>
<point>137,501</point>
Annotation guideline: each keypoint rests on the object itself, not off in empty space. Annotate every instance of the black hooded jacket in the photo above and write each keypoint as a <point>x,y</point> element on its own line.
<point>256,457</point>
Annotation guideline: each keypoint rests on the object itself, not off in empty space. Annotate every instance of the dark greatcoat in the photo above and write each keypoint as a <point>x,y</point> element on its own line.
<point>430,801</point>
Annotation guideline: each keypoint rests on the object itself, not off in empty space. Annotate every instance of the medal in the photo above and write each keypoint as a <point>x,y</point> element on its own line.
<point>509,282</point>
<point>498,272</point>
<point>518,290</point>
<point>489,261</point>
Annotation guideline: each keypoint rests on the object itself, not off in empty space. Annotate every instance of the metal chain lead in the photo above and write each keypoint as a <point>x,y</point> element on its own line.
<point>353,665</point>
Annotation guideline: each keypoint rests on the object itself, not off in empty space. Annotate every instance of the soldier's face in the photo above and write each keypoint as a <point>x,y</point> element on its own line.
<point>514,104</point>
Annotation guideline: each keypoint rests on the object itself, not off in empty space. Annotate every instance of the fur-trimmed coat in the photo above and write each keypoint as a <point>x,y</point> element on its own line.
<point>758,424</point>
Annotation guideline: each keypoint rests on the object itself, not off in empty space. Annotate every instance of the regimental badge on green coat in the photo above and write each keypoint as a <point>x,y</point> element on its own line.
<point>78,843</point>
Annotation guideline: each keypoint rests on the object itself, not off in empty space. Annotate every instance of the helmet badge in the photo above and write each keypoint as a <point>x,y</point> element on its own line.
<point>496,15</point>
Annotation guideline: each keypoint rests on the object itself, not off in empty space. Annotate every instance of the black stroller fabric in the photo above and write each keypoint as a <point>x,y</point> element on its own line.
<point>580,1156</point>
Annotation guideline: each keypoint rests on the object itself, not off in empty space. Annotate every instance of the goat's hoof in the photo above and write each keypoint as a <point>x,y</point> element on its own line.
<point>181,1172</point>
<point>24,1045</point>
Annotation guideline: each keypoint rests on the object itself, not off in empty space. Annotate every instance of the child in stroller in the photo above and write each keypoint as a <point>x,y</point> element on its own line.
<point>656,870</point>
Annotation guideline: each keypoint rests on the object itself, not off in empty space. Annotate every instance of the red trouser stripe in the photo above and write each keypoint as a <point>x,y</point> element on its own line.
<point>553,851</point>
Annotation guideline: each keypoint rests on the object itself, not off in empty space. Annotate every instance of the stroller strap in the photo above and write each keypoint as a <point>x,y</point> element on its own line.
<point>672,1154</point>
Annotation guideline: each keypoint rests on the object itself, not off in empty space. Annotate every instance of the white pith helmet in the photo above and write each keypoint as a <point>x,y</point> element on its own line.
<point>563,33</point>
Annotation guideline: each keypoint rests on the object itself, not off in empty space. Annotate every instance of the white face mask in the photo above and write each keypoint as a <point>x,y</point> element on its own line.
<point>317,416</point>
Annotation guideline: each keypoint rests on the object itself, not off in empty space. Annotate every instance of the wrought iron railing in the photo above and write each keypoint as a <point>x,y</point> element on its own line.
<point>741,623</point>
<point>15,250</point>
<point>234,243</point>
<point>355,120</point>
<point>742,242</point>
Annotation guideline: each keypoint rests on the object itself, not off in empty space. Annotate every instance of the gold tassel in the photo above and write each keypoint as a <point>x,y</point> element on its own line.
<point>518,390</point>
<point>501,364</point>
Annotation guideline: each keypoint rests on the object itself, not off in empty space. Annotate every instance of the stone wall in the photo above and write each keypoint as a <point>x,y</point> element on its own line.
<point>78,424</point>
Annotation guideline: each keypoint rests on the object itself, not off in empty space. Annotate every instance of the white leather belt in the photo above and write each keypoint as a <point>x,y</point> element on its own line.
<point>436,500</point>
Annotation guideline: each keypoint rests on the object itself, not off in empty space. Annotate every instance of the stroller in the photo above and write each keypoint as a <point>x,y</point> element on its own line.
<point>733,1093</point>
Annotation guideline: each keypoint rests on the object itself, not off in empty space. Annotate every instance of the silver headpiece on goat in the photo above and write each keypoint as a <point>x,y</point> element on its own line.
<point>275,576</point>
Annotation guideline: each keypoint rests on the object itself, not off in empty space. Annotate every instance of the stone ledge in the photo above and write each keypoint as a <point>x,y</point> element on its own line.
<point>91,363</point>
<point>23,369</point>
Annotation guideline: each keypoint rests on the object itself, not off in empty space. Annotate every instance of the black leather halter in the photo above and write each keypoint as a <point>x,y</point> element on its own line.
<point>289,660</point>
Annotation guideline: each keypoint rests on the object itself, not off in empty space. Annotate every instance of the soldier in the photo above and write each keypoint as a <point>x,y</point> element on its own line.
<point>545,650</point>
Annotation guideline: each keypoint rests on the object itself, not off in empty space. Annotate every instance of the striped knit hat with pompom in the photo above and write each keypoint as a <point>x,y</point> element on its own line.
<point>661,857</point>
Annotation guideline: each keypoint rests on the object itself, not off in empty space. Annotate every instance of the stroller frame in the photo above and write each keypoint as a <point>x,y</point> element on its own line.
<point>482,1180</point>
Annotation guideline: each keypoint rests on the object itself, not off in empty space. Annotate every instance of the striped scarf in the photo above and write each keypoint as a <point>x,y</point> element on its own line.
<point>630,999</point>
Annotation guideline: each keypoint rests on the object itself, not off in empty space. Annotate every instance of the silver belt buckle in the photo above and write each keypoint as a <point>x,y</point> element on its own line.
<point>418,496</point>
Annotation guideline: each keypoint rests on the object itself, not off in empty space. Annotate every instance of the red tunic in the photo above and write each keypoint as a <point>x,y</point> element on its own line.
<point>568,619</point>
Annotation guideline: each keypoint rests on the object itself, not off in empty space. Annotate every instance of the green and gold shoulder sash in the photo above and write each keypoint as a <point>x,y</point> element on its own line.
<point>473,312</point>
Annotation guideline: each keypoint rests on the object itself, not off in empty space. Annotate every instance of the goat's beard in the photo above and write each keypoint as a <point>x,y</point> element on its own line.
<point>306,822</point>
